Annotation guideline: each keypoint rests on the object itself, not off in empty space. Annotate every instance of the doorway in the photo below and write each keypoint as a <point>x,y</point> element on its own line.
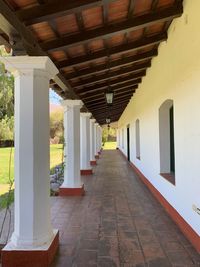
<point>172,158</point>
<point>128,142</point>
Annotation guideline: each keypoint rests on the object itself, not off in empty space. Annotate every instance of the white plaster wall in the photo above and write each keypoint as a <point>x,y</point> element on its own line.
<point>175,74</point>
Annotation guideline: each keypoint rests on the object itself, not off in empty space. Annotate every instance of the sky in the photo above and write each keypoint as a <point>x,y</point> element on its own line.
<point>54,98</point>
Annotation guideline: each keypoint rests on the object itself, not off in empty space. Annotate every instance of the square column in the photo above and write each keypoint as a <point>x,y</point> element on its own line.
<point>72,185</point>
<point>33,242</point>
<point>96,140</point>
<point>99,139</point>
<point>92,142</point>
<point>85,144</point>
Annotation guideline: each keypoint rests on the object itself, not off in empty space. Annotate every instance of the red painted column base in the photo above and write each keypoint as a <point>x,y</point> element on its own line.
<point>86,172</point>
<point>93,162</point>
<point>28,258</point>
<point>96,156</point>
<point>65,192</point>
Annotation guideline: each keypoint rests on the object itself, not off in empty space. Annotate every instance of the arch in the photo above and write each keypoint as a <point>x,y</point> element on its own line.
<point>137,138</point>
<point>166,137</point>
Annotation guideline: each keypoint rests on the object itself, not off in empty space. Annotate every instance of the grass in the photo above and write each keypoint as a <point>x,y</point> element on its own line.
<point>56,156</point>
<point>110,145</point>
<point>4,165</point>
<point>55,159</point>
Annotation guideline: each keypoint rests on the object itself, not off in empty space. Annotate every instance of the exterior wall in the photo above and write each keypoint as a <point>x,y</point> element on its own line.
<point>175,75</point>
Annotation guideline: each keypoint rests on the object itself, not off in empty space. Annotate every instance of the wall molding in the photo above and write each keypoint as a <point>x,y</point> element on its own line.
<point>186,229</point>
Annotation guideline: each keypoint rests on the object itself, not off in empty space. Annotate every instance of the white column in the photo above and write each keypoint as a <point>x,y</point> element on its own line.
<point>32,223</point>
<point>92,142</point>
<point>72,178</point>
<point>85,144</point>
<point>96,140</point>
<point>100,138</point>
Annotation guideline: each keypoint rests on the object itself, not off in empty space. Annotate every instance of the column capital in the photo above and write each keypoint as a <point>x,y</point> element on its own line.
<point>92,120</point>
<point>20,65</point>
<point>96,124</point>
<point>71,103</point>
<point>85,114</point>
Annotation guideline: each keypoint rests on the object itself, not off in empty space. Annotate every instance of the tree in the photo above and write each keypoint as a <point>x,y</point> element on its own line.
<point>7,128</point>
<point>6,91</point>
<point>56,125</point>
<point>6,102</point>
<point>109,134</point>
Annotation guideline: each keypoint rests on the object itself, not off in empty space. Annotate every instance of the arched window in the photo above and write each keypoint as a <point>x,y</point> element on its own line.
<point>137,138</point>
<point>166,135</point>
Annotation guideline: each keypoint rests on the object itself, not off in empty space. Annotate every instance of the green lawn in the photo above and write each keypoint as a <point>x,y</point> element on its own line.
<point>55,159</point>
<point>110,145</point>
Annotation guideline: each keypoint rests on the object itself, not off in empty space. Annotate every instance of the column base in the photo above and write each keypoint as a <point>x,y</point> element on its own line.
<point>86,172</point>
<point>96,156</point>
<point>65,192</point>
<point>41,257</point>
<point>93,162</point>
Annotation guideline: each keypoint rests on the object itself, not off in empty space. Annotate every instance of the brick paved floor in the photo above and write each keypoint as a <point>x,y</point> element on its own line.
<point>117,223</point>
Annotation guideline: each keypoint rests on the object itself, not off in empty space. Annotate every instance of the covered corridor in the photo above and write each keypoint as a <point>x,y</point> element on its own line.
<point>131,63</point>
<point>117,223</point>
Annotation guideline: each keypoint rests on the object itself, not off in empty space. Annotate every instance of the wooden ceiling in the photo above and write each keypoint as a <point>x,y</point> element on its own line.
<point>96,44</point>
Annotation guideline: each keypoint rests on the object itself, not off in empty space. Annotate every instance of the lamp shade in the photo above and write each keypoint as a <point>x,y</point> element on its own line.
<point>108,120</point>
<point>109,97</point>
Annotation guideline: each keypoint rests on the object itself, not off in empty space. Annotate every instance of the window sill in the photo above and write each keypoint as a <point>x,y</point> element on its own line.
<point>170,177</point>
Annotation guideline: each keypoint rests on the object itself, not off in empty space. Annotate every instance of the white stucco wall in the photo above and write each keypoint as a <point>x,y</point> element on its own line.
<point>175,74</point>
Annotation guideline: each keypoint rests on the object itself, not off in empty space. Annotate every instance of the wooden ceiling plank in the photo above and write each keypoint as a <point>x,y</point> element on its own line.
<point>121,89</point>
<point>114,82</point>
<point>117,73</point>
<point>116,95</point>
<point>105,114</point>
<point>113,64</point>
<point>102,102</point>
<point>115,87</point>
<point>108,31</point>
<point>125,48</point>
<point>55,9</point>
<point>100,109</point>
<point>31,45</point>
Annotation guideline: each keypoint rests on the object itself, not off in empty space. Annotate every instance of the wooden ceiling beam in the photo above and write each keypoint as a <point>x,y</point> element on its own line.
<point>136,78</point>
<point>98,110</point>
<point>116,87</point>
<point>102,99</point>
<point>111,116</point>
<point>53,9</point>
<point>102,105</point>
<point>31,45</point>
<point>121,49</point>
<point>92,95</point>
<point>109,111</point>
<point>108,31</point>
<point>113,64</point>
<point>102,95</point>
<point>110,75</point>
<point>117,101</point>
<point>95,96</point>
